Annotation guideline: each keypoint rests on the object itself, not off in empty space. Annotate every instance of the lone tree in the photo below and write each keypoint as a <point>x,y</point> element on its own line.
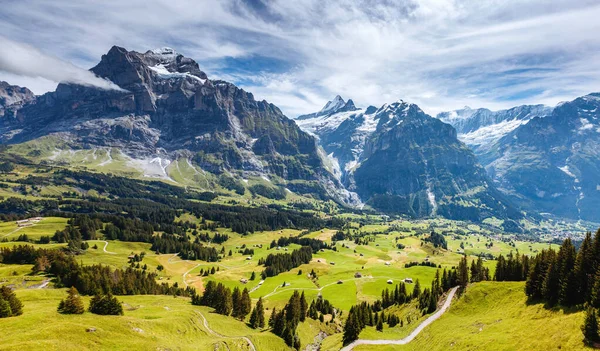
<point>10,305</point>
<point>590,326</point>
<point>72,304</point>
<point>106,305</point>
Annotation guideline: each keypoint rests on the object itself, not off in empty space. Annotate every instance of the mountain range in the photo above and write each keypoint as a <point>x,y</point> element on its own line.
<point>170,120</point>
<point>546,160</point>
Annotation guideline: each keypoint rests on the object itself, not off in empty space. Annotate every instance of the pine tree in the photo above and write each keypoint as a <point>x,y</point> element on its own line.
<point>463,274</point>
<point>236,299</point>
<point>416,290</point>
<point>16,307</point>
<point>590,326</point>
<point>303,307</point>
<point>245,304</point>
<point>5,310</point>
<point>380,325</point>
<point>351,329</point>
<point>72,304</point>
<point>260,311</point>
<point>272,317</point>
<point>568,282</point>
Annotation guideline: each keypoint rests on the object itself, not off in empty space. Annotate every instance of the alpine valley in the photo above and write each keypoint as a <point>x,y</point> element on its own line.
<point>165,210</point>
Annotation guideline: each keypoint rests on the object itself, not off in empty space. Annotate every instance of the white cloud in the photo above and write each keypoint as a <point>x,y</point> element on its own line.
<point>440,54</point>
<point>26,61</point>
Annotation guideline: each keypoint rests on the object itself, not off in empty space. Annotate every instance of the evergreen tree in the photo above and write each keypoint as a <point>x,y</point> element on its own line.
<point>303,307</point>
<point>245,304</point>
<point>5,310</point>
<point>236,299</point>
<point>105,305</point>
<point>272,318</point>
<point>590,326</point>
<point>416,290</point>
<point>257,317</point>
<point>16,307</point>
<point>568,281</point>
<point>380,325</point>
<point>463,274</point>
<point>351,328</point>
<point>72,304</point>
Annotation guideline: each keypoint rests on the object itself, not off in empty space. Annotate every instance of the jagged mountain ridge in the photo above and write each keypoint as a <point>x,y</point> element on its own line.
<point>399,159</point>
<point>480,128</point>
<point>552,164</point>
<point>169,108</point>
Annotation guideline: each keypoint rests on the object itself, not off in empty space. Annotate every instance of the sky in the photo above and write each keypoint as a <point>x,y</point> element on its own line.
<point>298,54</point>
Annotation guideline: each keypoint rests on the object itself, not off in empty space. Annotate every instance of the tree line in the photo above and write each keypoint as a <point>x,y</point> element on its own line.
<point>283,262</point>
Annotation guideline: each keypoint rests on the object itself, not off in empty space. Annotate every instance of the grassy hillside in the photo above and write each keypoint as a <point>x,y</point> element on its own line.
<point>149,323</point>
<point>496,316</point>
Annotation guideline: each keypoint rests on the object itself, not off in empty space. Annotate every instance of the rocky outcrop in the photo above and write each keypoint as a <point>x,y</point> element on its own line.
<point>12,98</point>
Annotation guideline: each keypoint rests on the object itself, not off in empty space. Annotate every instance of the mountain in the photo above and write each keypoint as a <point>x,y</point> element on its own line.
<point>13,97</point>
<point>170,113</point>
<point>331,107</point>
<point>399,159</point>
<point>552,164</point>
<point>481,128</point>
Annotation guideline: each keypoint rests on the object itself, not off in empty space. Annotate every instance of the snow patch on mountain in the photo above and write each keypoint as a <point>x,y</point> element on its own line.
<point>164,73</point>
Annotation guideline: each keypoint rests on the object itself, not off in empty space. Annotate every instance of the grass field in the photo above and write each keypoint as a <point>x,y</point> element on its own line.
<point>149,323</point>
<point>495,316</point>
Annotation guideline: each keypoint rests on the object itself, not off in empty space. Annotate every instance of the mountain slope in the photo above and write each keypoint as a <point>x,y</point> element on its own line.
<point>481,128</point>
<point>399,159</point>
<point>552,164</point>
<point>170,110</point>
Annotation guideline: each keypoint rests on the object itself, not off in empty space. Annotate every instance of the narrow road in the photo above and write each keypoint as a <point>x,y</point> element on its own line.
<point>205,322</point>
<point>413,334</point>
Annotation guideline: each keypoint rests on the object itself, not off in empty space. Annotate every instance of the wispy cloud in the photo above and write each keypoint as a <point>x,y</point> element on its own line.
<point>441,54</point>
<point>24,60</point>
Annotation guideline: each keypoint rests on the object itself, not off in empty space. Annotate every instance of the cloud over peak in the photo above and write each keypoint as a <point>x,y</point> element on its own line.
<point>24,60</point>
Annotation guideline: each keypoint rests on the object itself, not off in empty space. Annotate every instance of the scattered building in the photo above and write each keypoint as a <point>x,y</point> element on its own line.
<point>387,263</point>
<point>408,280</point>
<point>390,281</point>
<point>340,282</point>
<point>357,275</point>
<point>244,281</point>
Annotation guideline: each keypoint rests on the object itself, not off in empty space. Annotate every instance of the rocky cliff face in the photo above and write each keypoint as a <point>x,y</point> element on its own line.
<point>399,159</point>
<point>12,98</point>
<point>169,107</point>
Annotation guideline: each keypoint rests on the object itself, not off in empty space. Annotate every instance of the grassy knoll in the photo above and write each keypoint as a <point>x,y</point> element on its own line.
<point>495,316</point>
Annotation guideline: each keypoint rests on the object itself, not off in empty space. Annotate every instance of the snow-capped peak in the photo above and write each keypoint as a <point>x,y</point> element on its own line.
<point>164,51</point>
<point>333,105</point>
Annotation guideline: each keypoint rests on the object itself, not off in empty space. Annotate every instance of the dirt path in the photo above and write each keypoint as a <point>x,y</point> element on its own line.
<point>413,334</point>
<point>42,285</point>
<point>186,273</point>
<point>205,323</point>
<point>14,231</point>
<point>104,248</point>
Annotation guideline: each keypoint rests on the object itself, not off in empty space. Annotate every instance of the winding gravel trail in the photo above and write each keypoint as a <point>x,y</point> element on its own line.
<point>205,322</point>
<point>413,334</point>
